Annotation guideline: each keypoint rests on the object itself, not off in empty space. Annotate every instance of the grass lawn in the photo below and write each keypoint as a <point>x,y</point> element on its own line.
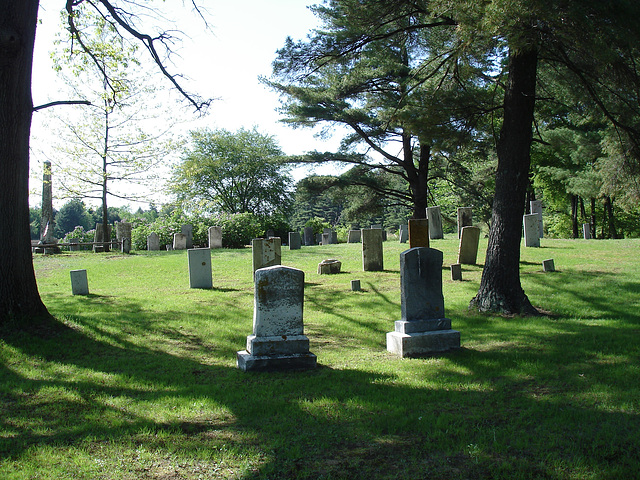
<point>138,379</point>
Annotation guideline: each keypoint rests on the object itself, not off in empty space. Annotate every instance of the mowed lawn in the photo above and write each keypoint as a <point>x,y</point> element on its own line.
<point>138,380</point>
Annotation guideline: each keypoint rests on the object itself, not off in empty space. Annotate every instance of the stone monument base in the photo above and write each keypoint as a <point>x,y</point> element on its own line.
<point>265,363</point>
<point>422,337</point>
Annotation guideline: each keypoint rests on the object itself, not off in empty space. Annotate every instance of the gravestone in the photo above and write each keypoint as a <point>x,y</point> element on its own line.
<point>200,268</point>
<point>187,231</point>
<point>548,265</point>
<point>100,237</point>
<point>123,235</point>
<point>333,237</point>
<point>435,223</point>
<point>266,252</point>
<point>423,328</point>
<point>179,241</point>
<point>372,252</point>
<point>47,223</point>
<point>536,209</point>
<point>465,218</point>
<point>153,242</point>
<point>468,249</point>
<point>329,267</point>
<point>418,232</point>
<point>215,237</point>
<point>294,241</point>
<point>353,236</point>
<point>531,230</point>
<point>74,247</point>
<point>318,238</point>
<point>326,238</point>
<point>79,282</point>
<point>270,233</point>
<point>278,341</point>
<point>456,272</point>
<point>308,236</point>
<point>403,233</point>
<point>586,231</point>
<point>355,286</point>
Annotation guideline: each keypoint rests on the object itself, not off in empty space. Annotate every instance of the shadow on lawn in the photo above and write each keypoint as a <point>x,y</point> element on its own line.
<point>505,409</point>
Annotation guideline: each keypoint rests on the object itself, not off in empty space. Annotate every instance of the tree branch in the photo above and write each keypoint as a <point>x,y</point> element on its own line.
<point>61,102</point>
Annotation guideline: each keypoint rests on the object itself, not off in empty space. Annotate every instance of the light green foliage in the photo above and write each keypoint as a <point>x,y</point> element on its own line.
<point>233,172</point>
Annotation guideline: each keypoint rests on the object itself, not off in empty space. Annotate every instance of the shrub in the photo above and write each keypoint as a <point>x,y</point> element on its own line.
<point>239,229</point>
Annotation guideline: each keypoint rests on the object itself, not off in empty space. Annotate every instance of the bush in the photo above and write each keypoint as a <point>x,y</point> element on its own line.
<point>239,229</point>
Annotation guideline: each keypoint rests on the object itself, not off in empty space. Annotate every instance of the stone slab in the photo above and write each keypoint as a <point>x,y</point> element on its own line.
<point>200,268</point>
<point>465,218</point>
<point>435,223</point>
<point>372,250</point>
<point>187,231</point>
<point>421,284</point>
<point>215,236</point>
<point>468,248</point>
<point>355,286</point>
<point>278,302</point>
<point>268,363</point>
<point>418,232</point>
<point>548,265</point>
<point>531,230</point>
<point>179,241</point>
<point>535,206</point>
<point>422,344</point>
<point>266,252</point>
<point>329,267</point>
<point>79,282</point>
<point>308,236</point>
<point>586,231</point>
<point>295,242</point>
<point>353,236</point>
<point>418,326</point>
<point>403,233</point>
<point>456,272</point>
<point>277,345</point>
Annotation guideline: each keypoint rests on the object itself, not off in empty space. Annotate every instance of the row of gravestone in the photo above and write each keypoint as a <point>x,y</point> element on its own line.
<point>184,239</point>
<point>278,342</point>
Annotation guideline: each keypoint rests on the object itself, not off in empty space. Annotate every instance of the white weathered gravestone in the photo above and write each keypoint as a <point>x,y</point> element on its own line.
<point>586,231</point>
<point>372,252</point>
<point>79,282</point>
<point>187,231</point>
<point>179,241</point>
<point>153,242</point>
<point>278,341</point>
<point>468,249</point>
<point>531,230</point>
<point>295,242</point>
<point>423,328</point>
<point>215,237</point>
<point>353,236</point>
<point>418,232</point>
<point>435,223</point>
<point>266,252</point>
<point>536,209</point>
<point>200,268</point>
<point>465,218</point>
<point>403,233</point>
<point>329,266</point>
<point>308,237</point>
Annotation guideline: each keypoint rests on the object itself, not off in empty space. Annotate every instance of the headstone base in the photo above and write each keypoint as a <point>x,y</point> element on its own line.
<point>408,343</point>
<point>267,363</point>
<point>278,345</point>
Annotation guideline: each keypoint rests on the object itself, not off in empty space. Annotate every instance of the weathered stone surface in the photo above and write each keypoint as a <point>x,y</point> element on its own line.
<point>123,230</point>
<point>47,223</point>
<point>278,341</point>
<point>326,238</point>
<point>423,329</point>
<point>586,231</point>
<point>79,282</point>
<point>267,252</point>
<point>74,247</point>
<point>179,241</point>
<point>418,232</point>
<point>333,237</point>
<point>318,238</point>
<point>187,231</point>
<point>468,248</point>
<point>99,236</point>
<point>200,275</point>
<point>353,236</point>
<point>308,236</point>
<point>403,233</point>
<point>531,230</point>
<point>372,251</point>
<point>295,242</point>
<point>548,265</point>
<point>536,208</point>
<point>329,267</point>
<point>153,242</point>
<point>435,223</point>
<point>421,284</point>
<point>456,272</point>
<point>355,286</point>
<point>125,245</point>
<point>215,236</point>
<point>465,218</point>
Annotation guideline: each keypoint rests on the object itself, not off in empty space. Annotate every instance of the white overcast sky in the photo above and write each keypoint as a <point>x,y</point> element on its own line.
<point>224,63</point>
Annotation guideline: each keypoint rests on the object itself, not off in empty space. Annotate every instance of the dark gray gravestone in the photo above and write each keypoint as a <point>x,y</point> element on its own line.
<point>278,341</point>
<point>423,328</point>
<point>435,223</point>
<point>465,218</point>
<point>294,241</point>
<point>353,236</point>
<point>187,231</point>
<point>153,242</point>
<point>308,236</point>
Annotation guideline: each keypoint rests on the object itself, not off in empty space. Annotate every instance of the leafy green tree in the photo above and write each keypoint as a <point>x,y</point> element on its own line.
<point>233,172</point>
<point>72,214</point>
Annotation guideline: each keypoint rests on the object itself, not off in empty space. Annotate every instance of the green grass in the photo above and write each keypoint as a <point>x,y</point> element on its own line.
<point>138,380</point>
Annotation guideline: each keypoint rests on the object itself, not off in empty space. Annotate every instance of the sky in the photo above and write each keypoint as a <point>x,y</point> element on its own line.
<point>223,62</point>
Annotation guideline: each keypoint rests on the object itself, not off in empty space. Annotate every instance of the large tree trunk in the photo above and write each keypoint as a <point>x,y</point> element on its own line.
<point>500,290</point>
<point>574,215</point>
<point>418,177</point>
<point>19,298</point>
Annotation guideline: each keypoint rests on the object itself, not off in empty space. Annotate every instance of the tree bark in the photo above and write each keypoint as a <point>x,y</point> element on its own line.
<point>500,289</point>
<point>574,215</point>
<point>418,177</point>
<point>610,219</point>
<point>19,298</point>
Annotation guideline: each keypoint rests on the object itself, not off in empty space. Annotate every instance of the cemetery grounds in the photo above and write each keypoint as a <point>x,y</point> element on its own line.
<point>138,380</point>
